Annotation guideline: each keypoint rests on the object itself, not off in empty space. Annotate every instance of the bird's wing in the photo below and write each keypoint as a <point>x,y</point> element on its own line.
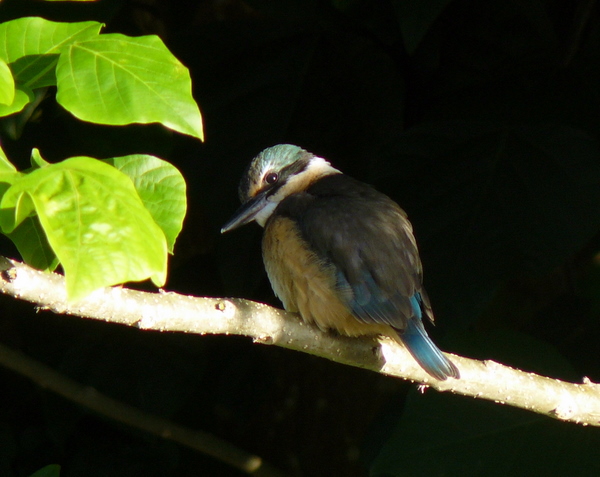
<point>369,240</point>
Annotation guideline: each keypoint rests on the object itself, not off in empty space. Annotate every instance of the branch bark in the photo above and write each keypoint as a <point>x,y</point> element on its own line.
<point>578,403</point>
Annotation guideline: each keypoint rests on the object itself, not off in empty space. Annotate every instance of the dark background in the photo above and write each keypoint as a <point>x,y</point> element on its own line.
<point>481,119</point>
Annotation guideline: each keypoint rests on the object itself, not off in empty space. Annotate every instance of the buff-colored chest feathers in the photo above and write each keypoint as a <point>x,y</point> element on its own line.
<point>307,285</point>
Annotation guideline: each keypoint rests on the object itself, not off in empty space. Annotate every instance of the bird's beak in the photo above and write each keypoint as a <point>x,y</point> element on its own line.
<point>247,212</point>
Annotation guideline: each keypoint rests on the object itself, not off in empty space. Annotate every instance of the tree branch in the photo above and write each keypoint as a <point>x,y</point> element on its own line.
<point>579,403</point>
<point>90,398</point>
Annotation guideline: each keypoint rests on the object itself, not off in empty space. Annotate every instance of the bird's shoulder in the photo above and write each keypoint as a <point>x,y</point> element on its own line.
<point>340,195</point>
<point>356,227</point>
<point>338,211</point>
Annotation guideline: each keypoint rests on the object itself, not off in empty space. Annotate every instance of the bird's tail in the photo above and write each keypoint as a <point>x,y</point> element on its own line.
<point>426,353</point>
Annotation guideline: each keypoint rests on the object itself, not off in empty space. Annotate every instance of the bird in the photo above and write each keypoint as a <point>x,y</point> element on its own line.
<point>338,252</point>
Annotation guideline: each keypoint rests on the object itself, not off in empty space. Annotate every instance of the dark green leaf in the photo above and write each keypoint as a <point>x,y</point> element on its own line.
<point>32,244</point>
<point>416,18</point>
<point>52,470</point>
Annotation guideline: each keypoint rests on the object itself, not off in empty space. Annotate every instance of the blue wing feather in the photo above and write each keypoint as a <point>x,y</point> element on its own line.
<point>368,305</point>
<point>426,353</point>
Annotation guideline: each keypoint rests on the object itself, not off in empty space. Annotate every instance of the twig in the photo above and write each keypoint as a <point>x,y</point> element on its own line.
<point>90,398</point>
<point>579,403</point>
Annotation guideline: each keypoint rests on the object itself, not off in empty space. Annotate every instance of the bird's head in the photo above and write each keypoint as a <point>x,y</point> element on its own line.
<point>273,175</point>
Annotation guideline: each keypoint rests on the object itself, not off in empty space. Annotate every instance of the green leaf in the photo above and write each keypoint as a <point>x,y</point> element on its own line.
<point>8,176</point>
<point>22,208</point>
<point>37,161</point>
<point>161,188</point>
<point>52,470</point>
<point>33,44</point>
<point>7,84</point>
<point>5,164</point>
<point>115,79</point>
<point>23,96</point>
<point>95,223</point>
<point>32,244</point>
<point>36,71</point>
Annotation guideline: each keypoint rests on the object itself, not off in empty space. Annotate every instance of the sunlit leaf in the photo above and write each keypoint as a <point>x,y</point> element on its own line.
<point>5,164</point>
<point>7,84</point>
<point>161,188</point>
<point>37,160</point>
<point>33,44</point>
<point>115,79</point>
<point>95,223</point>
<point>23,96</point>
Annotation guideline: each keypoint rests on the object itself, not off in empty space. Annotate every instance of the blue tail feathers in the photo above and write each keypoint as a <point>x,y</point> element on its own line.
<point>425,352</point>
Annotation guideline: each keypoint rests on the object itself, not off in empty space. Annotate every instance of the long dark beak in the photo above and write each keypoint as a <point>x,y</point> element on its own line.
<point>247,212</point>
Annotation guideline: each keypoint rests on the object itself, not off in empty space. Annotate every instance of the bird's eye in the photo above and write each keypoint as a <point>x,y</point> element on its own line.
<point>271,178</point>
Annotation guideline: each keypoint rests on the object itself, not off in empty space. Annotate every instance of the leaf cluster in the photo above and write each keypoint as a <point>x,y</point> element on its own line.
<point>105,222</point>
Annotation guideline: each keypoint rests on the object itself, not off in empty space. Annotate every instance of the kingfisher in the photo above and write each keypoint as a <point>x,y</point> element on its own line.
<point>338,252</point>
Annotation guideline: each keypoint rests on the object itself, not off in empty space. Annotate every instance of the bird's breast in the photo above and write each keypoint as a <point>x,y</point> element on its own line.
<point>306,283</point>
